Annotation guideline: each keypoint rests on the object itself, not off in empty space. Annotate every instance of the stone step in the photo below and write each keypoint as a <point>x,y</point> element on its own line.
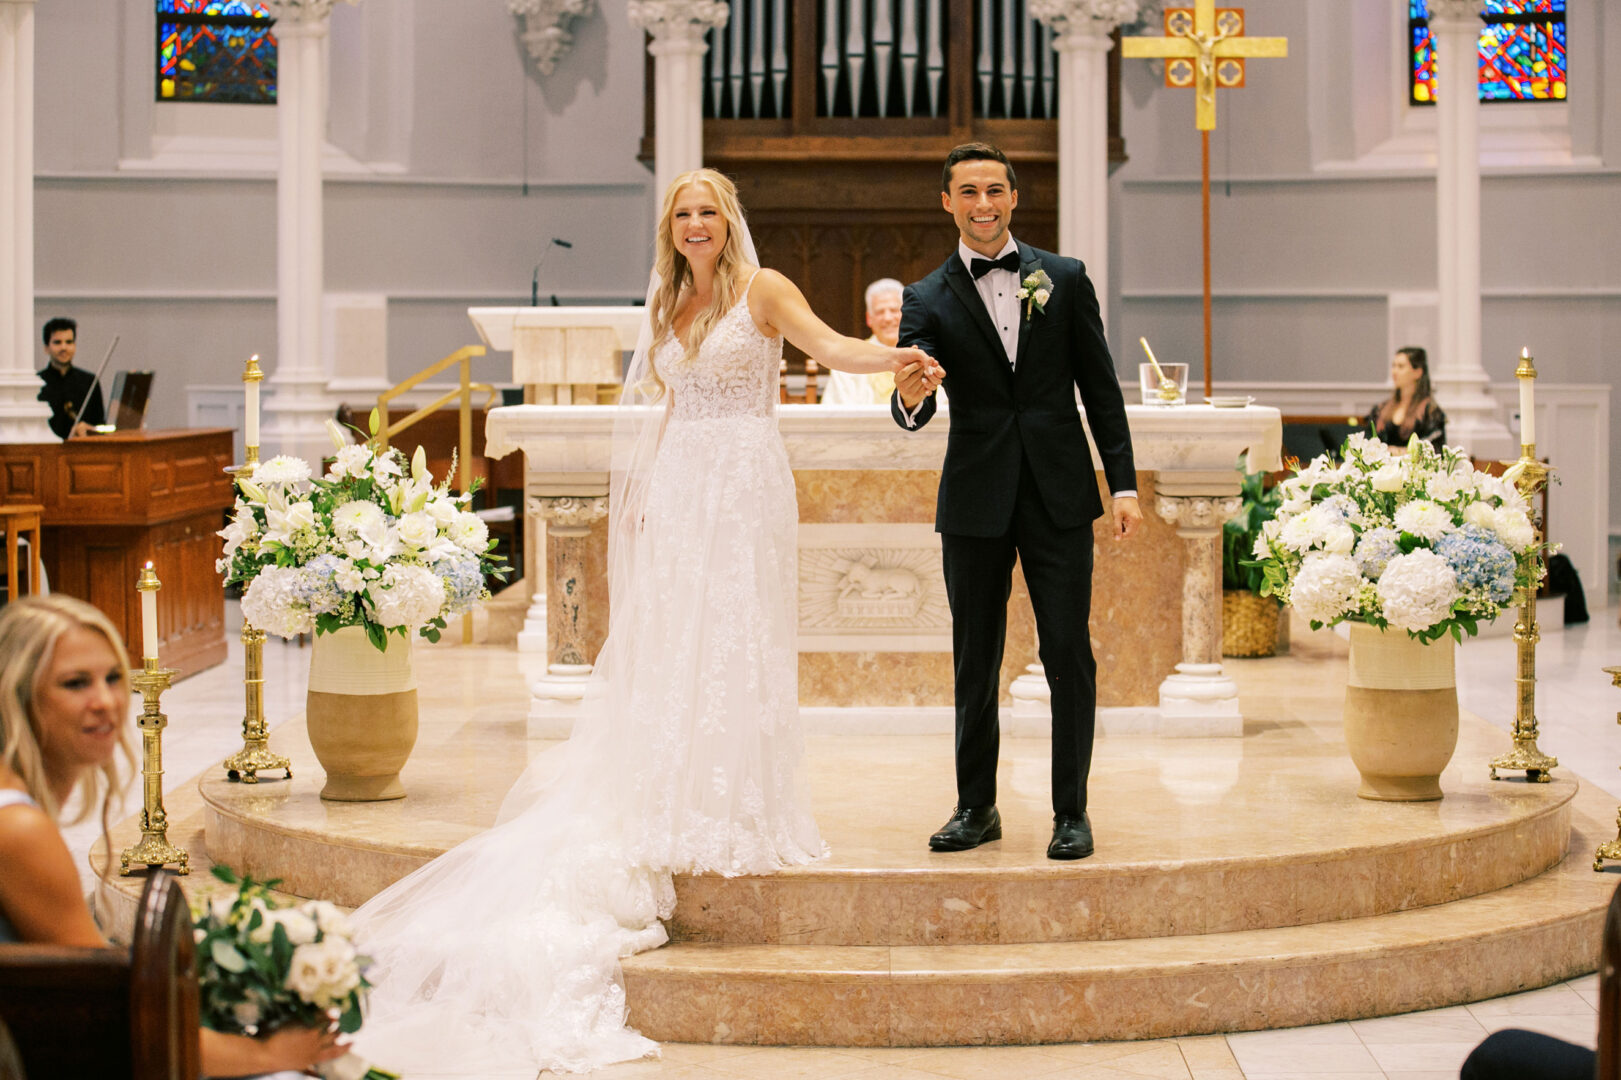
<point>1524,936</point>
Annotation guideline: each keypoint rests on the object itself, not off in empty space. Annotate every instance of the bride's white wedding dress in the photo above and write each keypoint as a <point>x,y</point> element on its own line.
<point>503,952</point>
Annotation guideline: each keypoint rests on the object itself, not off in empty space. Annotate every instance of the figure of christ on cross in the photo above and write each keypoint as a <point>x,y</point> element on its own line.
<point>1204,47</point>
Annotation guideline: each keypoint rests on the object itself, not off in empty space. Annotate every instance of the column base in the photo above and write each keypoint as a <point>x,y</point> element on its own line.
<point>532,638</point>
<point>1031,694</point>
<point>1199,700</point>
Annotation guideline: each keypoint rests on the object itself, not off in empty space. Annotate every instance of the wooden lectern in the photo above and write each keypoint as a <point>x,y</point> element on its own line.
<point>114,502</point>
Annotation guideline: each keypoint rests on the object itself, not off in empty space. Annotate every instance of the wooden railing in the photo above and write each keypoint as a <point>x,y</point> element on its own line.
<point>462,359</point>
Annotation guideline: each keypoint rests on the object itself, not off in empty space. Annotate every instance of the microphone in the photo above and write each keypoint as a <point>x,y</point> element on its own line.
<point>534,280</point>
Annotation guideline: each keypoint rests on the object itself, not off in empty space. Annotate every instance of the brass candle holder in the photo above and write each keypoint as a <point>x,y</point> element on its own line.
<point>1611,849</point>
<point>255,755</point>
<point>1529,476</point>
<point>154,849</point>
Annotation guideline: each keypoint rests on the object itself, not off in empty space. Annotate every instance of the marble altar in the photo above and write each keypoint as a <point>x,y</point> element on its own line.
<point>866,504</point>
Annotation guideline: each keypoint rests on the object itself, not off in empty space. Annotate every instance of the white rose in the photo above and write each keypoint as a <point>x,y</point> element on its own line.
<point>300,516</point>
<point>1042,296</point>
<point>1480,513</point>
<point>442,510</point>
<point>299,926</point>
<point>418,530</point>
<point>305,971</point>
<point>1388,477</point>
<point>353,518</point>
<point>331,920</point>
<point>1339,539</point>
<point>1513,528</point>
<point>469,532</point>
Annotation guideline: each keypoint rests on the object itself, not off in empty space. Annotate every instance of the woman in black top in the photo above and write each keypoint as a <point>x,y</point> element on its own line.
<point>1410,410</point>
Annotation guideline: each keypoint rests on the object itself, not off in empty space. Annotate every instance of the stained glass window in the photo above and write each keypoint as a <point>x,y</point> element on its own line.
<point>216,50</point>
<point>1521,55</point>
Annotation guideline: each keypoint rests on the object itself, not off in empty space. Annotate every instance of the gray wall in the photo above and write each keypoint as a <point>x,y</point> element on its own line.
<point>436,101</point>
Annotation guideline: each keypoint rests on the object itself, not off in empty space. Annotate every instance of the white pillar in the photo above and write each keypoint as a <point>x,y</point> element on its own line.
<point>1199,698</point>
<point>23,417</point>
<point>1083,28</point>
<point>298,405</point>
<point>1458,375</point>
<point>678,28</point>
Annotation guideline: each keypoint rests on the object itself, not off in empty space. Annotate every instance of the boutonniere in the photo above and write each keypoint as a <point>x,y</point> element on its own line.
<point>1036,290</point>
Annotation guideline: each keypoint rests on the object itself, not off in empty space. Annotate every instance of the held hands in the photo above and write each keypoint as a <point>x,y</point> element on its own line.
<point>1128,518</point>
<point>917,375</point>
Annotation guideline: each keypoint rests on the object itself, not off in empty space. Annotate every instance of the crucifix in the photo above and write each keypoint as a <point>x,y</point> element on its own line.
<point>1204,47</point>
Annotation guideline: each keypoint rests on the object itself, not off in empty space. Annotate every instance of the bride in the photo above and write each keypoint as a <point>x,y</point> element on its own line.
<point>686,758</point>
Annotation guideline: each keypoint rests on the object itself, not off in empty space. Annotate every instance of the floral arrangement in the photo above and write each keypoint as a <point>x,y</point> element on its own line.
<point>1421,542</point>
<point>1035,290</point>
<point>372,543</point>
<point>1239,533</point>
<point>261,967</point>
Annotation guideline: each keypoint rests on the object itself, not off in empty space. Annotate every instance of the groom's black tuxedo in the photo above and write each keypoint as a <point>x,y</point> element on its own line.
<point>1018,481</point>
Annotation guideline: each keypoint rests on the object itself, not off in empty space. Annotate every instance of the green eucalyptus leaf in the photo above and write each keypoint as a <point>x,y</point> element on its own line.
<point>227,957</point>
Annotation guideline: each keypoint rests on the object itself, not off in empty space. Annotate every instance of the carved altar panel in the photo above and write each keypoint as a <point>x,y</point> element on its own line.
<point>872,588</point>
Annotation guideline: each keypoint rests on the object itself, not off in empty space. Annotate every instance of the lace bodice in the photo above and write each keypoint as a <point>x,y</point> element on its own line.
<point>734,374</point>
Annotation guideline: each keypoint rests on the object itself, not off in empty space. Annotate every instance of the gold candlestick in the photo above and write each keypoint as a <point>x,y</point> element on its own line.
<point>1611,849</point>
<point>255,755</point>
<point>154,849</point>
<point>1530,476</point>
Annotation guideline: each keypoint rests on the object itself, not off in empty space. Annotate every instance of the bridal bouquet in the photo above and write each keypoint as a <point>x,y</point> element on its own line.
<point>372,543</point>
<point>261,967</point>
<point>1422,542</point>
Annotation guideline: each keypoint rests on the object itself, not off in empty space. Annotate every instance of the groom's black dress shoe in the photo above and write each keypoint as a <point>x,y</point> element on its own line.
<point>1072,837</point>
<point>969,827</point>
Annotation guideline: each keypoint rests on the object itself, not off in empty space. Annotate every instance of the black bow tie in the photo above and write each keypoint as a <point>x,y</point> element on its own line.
<point>1008,262</point>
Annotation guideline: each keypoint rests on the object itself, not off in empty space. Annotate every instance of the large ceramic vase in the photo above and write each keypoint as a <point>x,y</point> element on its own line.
<point>362,714</point>
<point>1401,713</point>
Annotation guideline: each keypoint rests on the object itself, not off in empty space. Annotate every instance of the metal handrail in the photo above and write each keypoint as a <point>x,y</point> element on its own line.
<point>465,386</point>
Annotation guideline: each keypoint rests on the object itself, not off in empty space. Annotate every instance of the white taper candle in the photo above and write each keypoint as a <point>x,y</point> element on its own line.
<point>1528,417</point>
<point>250,387</point>
<point>149,614</point>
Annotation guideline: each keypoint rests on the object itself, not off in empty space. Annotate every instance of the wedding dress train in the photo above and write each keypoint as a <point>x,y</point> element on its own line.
<point>687,757</point>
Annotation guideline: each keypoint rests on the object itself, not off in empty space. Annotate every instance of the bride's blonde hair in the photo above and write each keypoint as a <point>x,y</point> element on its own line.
<point>675,273</point>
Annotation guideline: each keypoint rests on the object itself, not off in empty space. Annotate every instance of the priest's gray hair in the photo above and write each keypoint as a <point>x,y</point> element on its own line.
<point>882,286</point>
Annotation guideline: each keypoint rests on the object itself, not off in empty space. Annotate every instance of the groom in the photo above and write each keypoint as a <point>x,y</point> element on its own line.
<point>1017,479</point>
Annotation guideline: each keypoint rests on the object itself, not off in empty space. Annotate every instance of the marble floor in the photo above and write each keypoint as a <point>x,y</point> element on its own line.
<point>1577,710</point>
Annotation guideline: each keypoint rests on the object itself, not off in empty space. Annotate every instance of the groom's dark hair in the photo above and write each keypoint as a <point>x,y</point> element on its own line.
<point>976,151</point>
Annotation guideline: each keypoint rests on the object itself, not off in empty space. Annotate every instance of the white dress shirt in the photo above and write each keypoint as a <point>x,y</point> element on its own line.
<point>999,290</point>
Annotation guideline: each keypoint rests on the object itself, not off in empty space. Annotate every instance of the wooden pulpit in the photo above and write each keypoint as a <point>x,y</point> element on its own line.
<point>562,355</point>
<point>114,502</point>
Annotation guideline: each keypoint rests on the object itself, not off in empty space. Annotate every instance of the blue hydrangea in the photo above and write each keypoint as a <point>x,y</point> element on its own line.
<point>1375,550</point>
<point>317,587</point>
<point>464,581</point>
<point>1482,563</point>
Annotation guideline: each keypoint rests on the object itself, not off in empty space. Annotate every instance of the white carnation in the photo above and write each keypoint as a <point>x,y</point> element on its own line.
<point>1416,590</point>
<point>406,596</point>
<point>353,518</point>
<point>1326,587</point>
<point>268,603</point>
<point>469,532</point>
<point>282,469</point>
<point>418,530</point>
<point>1513,528</point>
<point>349,461</point>
<point>1424,519</point>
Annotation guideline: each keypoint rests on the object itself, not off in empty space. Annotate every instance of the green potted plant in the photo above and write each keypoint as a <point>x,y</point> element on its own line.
<point>1249,620</point>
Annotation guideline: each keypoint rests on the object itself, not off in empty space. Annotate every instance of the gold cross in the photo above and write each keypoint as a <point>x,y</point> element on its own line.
<point>1204,47</point>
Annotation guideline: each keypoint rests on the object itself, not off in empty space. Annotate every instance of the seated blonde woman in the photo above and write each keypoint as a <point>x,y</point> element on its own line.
<point>65,733</point>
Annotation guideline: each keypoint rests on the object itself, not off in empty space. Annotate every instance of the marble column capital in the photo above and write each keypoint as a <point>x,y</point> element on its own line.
<point>294,17</point>
<point>546,24</point>
<point>1455,14</point>
<point>1083,23</point>
<point>673,22</point>
<point>573,513</point>
<point>1195,515</point>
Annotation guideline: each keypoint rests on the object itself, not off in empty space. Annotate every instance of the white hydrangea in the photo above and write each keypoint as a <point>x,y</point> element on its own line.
<point>469,532</point>
<point>406,596</point>
<point>1417,590</point>
<point>356,517</point>
<point>282,469</point>
<point>268,603</point>
<point>1326,587</point>
<point>1424,519</point>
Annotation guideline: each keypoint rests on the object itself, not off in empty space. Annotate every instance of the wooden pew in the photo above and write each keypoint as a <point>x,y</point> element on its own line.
<point>109,1013</point>
<point>1609,994</point>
